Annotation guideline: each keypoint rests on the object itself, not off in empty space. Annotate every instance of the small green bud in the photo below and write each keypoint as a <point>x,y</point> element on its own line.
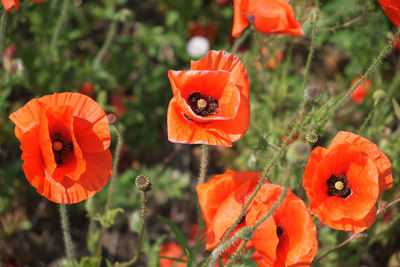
<point>379,94</point>
<point>143,183</point>
<point>246,233</point>
<point>312,137</point>
<point>298,152</point>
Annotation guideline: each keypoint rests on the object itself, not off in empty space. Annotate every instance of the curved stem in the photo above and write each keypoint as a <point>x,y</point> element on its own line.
<point>372,67</point>
<point>353,236</point>
<point>277,156</point>
<point>239,41</point>
<point>106,44</point>
<point>237,254</point>
<point>66,233</point>
<point>56,32</point>
<point>3,26</point>
<point>203,164</point>
<point>117,155</point>
<point>143,212</point>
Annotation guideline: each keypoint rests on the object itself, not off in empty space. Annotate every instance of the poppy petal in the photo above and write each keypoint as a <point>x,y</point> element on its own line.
<point>217,84</point>
<point>183,130</point>
<point>222,60</point>
<point>90,121</point>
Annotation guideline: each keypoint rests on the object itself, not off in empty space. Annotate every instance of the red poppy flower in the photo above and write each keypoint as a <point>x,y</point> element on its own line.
<point>64,141</point>
<point>211,101</point>
<point>10,4</point>
<point>343,182</point>
<point>272,16</point>
<point>358,95</point>
<point>392,10</point>
<point>172,250</point>
<point>292,235</point>
<point>288,237</point>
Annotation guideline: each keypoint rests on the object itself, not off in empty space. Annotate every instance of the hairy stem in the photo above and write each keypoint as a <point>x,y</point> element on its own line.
<point>239,41</point>
<point>203,164</point>
<point>143,211</point>
<point>114,175</point>
<point>239,252</point>
<point>66,233</point>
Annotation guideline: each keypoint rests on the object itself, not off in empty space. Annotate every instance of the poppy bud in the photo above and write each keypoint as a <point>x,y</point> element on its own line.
<point>246,233</point>
<point>379,94</point>
<point>143,183</point>
<point>298,152</point>
<point>312,137</point>
<point>111,118</point>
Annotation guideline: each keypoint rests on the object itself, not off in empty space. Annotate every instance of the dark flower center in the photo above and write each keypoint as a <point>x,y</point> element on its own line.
<point>279,231</point>
<point>61,147</point>
<point>203,105</point>
<point>338,186</point>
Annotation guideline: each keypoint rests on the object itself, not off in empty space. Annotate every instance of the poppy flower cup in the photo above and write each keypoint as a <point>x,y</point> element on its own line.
<point>392,10</point>
<point>287,238</point>
<point>211,101</point>
<point>64,141</point>
<point>344,181</point>
<point>270,16</point>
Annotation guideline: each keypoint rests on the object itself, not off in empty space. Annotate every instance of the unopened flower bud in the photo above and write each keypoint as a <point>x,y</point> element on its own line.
<point>312,137</point>
<point>379,94</point>
<point>246,233</point>
<point>298,152</point>
<point>143,183</point>
<point>111,118</point>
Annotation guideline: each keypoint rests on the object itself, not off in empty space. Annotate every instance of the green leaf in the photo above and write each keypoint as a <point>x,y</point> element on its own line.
<point>180,237</point>
<point>108,218</point>
<point>396,108</point>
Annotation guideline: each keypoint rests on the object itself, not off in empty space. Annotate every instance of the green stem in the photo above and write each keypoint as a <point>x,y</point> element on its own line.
<point>67,235</point>
<point>275,159</point>
<point>371,68</point>
<point>114,175</point>
<point>312,49</point>
<point>203,164</point>
<point>143,212</point>
<point>56,32</point>
<point>106,44</point>
<point>239,252</point>
<point>216,252</point>
<point>239,41</point>
<point>3,26</point>
<point>368,117</point>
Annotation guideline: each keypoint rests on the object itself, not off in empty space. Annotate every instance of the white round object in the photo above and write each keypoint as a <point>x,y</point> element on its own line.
<point>197,46</point>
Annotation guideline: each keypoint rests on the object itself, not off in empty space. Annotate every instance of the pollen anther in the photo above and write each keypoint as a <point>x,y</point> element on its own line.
<point>201,103</point>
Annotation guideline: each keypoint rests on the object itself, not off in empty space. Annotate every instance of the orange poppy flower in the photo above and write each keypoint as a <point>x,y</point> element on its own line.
<point>64,141</point>
<point>270,16</point>
<point>211,101</point>
<point>10,4</point>
<point>392,10</point>
<point>292,235</point>
<point>288,243</point>
<point>344,181</point>
<point>358,95</point>
<point>172,250</point>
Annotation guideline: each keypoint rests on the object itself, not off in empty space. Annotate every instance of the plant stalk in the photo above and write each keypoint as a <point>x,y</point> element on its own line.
<point>66,233</point>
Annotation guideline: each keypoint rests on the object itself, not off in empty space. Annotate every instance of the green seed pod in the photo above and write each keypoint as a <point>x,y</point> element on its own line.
<point>298,152</point>
<point>312,137</point>
<point>379,94</point>
<point>246,233</point>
